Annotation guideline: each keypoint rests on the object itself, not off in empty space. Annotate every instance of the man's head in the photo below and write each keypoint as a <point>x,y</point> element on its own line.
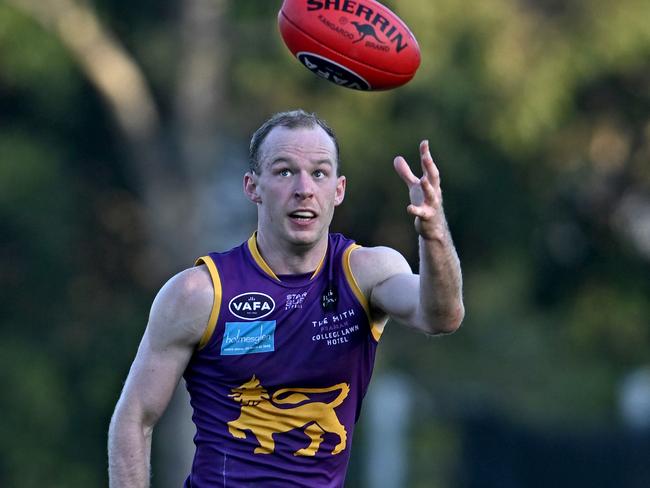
<point>294,179</point>
<point>295,119</point>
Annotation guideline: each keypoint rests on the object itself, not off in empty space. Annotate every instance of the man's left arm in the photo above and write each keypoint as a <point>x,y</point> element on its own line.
<point>430,301</point>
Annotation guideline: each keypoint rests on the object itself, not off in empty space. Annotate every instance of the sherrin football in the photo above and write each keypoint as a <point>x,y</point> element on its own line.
<point>358,44</point>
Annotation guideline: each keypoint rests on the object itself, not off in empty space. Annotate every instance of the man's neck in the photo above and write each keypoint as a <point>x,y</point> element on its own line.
<point>285,259</point>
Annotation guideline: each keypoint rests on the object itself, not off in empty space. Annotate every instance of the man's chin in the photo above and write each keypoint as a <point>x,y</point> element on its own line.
<point>304,238</point>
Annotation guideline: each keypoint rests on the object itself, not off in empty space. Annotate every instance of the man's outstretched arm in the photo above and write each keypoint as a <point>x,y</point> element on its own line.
<point>178,317</point>
<point>430,301</point>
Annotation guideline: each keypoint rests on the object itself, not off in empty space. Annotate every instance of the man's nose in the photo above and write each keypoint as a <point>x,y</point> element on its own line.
<point>304,186</point>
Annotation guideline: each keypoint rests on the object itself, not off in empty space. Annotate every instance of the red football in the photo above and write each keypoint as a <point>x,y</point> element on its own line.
<point>357,44</point>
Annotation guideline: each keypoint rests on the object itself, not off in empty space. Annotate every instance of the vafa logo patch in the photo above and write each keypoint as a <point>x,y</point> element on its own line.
<point>251,305</point>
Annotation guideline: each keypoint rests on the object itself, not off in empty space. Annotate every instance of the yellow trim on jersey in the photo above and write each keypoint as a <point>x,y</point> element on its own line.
<point>252,246</point>
<point>216,305</point>
<point>318,268</point>
<point>375,329</point>
<point>255,252</point>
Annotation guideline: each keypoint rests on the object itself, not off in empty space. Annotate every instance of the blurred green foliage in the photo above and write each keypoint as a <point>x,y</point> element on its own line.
<point>538,114</point>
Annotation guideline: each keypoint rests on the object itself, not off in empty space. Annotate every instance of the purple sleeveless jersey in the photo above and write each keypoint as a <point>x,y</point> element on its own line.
<point>277,381</point>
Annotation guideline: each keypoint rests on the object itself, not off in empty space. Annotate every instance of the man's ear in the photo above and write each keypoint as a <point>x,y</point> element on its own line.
<point>250,187</point>
<point>340,191</point>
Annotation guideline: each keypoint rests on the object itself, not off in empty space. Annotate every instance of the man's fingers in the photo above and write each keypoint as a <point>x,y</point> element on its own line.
<point>429,193</point>
<point>424,147</point>
<point>429,168</point>
<point>417,211</point>
<point>404,171</point>
<point>413,210</point>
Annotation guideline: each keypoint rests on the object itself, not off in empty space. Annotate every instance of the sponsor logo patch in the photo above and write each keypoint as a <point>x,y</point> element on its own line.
<point>251,305</point>
<point>295,300</point>
<point>248,338</point>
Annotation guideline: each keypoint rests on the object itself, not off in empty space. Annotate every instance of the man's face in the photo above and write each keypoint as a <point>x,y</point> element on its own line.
<point>297,188</point>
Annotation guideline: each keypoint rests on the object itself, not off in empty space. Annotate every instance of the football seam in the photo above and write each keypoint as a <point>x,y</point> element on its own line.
<point>403,75</point>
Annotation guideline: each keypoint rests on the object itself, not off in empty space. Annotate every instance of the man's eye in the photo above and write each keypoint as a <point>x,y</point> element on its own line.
<point>319,173</point>
<point>284,172</point>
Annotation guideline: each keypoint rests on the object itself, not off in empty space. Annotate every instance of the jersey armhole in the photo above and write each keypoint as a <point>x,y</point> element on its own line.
<point>216,304</point>
<point>375,329</point>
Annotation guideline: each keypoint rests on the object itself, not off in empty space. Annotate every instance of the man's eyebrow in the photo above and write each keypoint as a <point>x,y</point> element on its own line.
<point>323,161</point>
<point>285,160</point>
<point>279,160</point>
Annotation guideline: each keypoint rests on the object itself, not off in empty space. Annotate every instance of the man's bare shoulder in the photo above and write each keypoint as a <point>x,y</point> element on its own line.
<point>182,307</point>
<point>373,265</point>
<point>191,287</point>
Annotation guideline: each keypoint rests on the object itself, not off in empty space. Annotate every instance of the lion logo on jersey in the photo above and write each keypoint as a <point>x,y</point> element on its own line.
<point>261,415</point>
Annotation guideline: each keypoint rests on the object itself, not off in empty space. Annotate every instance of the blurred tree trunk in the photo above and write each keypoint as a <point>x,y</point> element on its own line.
<point>199,106</point>
<point>123,86</point>
<point>174,163</point>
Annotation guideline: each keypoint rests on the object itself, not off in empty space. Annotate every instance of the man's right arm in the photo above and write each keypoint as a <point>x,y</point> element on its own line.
<point>178,318</point>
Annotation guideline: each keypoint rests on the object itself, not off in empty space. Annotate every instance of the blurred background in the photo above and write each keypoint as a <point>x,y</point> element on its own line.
<point>124,129</point>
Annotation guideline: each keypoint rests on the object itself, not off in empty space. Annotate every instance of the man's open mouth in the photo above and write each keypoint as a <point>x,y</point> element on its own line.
<point>303,215</point>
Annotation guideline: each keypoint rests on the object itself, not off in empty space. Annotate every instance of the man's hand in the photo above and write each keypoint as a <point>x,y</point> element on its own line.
<point>425,195</point>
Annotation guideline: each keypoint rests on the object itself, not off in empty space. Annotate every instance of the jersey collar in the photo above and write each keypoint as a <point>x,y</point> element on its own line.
<point>257,256</point>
